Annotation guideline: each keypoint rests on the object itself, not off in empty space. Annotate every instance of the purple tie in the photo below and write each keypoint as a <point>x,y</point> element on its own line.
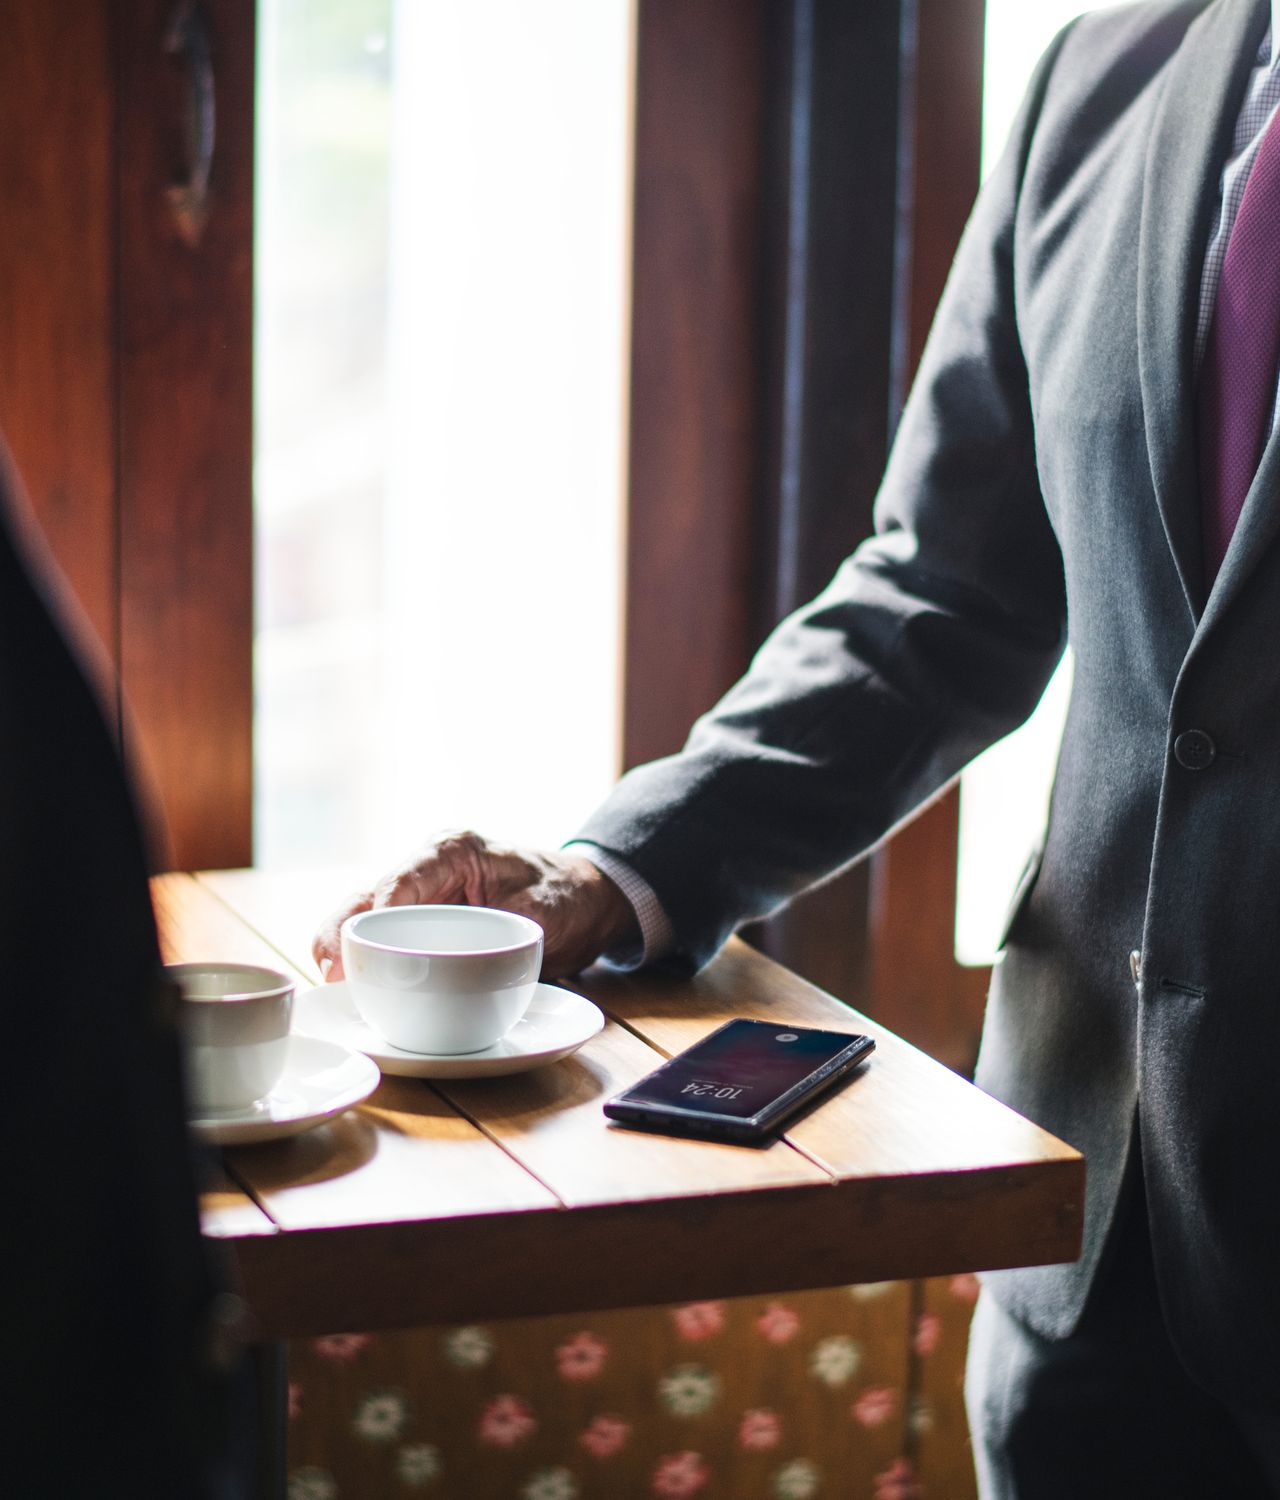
<point>1238,375</point>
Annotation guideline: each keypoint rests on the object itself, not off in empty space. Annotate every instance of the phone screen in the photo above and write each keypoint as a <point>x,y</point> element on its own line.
<point>741,1069</point>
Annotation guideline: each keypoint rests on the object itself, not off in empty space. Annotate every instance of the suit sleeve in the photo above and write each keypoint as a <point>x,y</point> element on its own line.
<point>934,639</point>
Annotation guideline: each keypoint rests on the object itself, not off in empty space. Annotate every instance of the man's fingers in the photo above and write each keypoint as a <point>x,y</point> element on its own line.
<point>460,868</point>
<point>580,910</point>
<point>326,948</point>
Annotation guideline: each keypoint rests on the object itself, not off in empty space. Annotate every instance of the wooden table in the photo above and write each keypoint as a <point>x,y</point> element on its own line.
<point>467,1200</point>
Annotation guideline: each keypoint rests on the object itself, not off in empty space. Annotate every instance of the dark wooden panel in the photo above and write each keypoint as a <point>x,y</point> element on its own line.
<point>831,238</point>
<point>916,985</point>
<point>947,131</point>
<point>831,241</point>
<point>186,434</point>
<point>765,241</point>
<point>694,381</point>
<point>56,286</point>
<point>803,174</point>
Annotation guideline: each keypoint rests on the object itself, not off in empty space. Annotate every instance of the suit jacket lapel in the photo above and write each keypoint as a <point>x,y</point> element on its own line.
<point>1195,119</point>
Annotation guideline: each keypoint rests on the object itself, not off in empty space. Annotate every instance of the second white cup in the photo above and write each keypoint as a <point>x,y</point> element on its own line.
<point>441,979</point>
<point>234,1020</point>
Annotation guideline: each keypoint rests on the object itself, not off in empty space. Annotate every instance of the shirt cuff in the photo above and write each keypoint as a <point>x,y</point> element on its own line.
<point>656,935</point>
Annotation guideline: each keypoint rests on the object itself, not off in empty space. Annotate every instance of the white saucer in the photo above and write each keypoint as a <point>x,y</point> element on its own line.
<point>321,1079</point>
<point>556,1024</point>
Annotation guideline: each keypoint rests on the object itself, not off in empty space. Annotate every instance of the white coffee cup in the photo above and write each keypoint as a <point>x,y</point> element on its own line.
<point>235,1021</point>
<point>441,979</point>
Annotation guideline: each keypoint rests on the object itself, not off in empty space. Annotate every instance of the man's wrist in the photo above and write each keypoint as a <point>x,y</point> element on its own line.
<point>649,932</point>
<point>615,921</point>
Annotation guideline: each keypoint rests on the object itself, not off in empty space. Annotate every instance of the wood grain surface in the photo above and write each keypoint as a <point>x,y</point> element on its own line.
<point>227,1212</point>
<point>57,294</point>
<point>509,1196</point>
<point>550,1119</point>
<point>125,378</point>
<point>694,386</point>
<point>185,432</point>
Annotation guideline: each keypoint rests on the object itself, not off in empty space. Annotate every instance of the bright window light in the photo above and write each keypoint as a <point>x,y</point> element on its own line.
<point>1004,795</point>
<point>441,265</point>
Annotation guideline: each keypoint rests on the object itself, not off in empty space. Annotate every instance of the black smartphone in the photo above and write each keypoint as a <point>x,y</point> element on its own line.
<point>741,1082</point>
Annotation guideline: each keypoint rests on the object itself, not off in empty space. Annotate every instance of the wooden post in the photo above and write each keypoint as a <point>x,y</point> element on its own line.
<point>917,987</point>
<point>125,367</point>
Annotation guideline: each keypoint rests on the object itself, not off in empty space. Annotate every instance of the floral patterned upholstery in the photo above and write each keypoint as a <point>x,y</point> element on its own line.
<point>851,1392</point>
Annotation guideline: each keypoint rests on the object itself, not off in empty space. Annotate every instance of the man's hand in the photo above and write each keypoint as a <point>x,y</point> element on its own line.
<point>582,912</point>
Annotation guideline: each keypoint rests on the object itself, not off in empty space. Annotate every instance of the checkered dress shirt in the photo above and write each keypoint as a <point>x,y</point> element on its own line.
<point>1260,100</point>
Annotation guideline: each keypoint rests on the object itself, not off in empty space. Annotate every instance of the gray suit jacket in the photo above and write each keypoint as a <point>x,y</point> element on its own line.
<point>1042,487</point>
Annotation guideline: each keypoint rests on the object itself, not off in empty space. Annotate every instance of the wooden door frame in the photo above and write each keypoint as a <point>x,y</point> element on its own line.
<point>126,377</point>
<point>723,531</point>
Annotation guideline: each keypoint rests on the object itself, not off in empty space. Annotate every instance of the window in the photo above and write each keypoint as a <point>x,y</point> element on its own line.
<point>440,348</point>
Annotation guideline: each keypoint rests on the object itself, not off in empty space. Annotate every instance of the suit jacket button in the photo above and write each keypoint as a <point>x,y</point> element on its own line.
<point>1135,966</point>
<point>1194,750</point>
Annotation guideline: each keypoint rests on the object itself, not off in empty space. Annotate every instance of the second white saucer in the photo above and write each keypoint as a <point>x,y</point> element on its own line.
<point>321,1079</point>
<point>557,1023</point>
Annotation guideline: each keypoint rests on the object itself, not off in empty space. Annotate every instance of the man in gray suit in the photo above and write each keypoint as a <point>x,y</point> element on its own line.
<point>1086,457</point>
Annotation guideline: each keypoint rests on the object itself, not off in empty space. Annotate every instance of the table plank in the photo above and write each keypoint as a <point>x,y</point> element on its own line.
<point>902,1112</point>
<point>226,1210</point>
<point>403,1155</point>
<point>288,906</point>
<point>548,1119</point>
<point>196,926</point>
<point>551,1120</point>
<point>902,1133</point>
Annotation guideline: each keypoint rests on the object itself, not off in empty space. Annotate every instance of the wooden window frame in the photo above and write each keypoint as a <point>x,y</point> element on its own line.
<point>126,345</point>
<point>789,154</point>
<point>750,203</point>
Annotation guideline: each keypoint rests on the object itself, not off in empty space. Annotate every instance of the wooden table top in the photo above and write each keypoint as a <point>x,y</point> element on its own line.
<point>453,1201</point>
